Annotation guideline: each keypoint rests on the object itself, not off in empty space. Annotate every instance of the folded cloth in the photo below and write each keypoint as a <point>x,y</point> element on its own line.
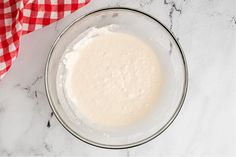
<point>19,17</point>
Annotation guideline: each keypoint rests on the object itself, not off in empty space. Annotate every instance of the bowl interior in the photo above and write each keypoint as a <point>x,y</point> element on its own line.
<point>173,67</point>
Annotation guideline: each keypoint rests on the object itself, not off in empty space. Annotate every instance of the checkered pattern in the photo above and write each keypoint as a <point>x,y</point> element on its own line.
<point>19,17</point>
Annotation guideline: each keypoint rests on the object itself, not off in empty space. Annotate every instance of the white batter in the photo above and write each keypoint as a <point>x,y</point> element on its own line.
<point>113,78</point>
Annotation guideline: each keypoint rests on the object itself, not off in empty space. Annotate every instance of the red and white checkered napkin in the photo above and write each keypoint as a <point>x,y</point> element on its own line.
<point>19,17</point>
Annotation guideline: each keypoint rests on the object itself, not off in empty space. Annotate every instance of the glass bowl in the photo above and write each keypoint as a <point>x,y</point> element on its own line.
<point>175,72</point>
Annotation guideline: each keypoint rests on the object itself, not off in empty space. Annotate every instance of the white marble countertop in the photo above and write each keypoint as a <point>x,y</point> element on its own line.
<point>206,125</point>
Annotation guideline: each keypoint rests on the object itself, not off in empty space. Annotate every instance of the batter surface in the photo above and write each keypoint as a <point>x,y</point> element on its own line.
<point>113,79</point>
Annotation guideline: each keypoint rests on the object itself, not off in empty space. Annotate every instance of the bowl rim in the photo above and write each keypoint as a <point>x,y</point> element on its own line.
<point>129,145</point>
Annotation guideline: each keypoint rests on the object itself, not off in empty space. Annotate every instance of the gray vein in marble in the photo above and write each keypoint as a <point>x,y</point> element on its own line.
<point>2,109</point>
<point>49,123</point>
<point>5,153</point>
<point>56,27</point>
<point>47,147</point>
<point>233,19</point>
<point>32,93</point>
<point>117,4</point>
<point>36,80</point>
<point>172,10</point>
<point>115,14</point>
<point>103,16</point>
<point>216,14</point>
<point>36,94</point>
<point>34,152</point>
<point>143,3</point>
<point>171,47</point>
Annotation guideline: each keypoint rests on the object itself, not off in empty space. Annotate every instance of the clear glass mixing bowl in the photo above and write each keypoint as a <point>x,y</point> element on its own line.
<point>170,55</point>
